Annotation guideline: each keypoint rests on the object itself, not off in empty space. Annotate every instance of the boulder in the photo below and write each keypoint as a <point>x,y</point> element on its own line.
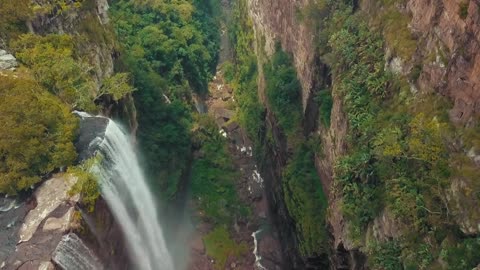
<point>7,61</point>
<point>91,134</point>
<point>43,227</point>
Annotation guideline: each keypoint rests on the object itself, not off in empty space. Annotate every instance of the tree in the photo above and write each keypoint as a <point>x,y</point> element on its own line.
<point>37,134</point>
<point>53,65</point>
<point>118,86</point>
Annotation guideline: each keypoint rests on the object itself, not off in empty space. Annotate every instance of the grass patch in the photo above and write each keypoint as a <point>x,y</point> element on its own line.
<point>463,9</point>
<point>213,175</point>
<point>220,246</point>
<point>306,201</point>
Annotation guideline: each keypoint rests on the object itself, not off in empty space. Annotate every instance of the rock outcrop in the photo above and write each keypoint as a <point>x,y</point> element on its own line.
<point>92,131</point>
<point>7,61</point>
<point>276,21</point>
<point>44,226</point>
<point>448,51</point>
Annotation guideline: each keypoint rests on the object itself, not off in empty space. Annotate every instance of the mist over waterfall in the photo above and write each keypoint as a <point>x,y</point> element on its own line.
<point>126,191</point>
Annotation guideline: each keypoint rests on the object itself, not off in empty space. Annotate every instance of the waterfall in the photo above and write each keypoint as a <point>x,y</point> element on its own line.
<point>126,191</point>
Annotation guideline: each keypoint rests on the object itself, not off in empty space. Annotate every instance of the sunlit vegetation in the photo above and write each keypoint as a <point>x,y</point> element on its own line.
<point>398,157</point>
<point>171,50</point>
<point>87,184</point>
<point>243,73</point>
<point>36,135</point>
<point>13,15</point>
<point>54,64</point>
<point>53,7</point>
<point>220,247</point>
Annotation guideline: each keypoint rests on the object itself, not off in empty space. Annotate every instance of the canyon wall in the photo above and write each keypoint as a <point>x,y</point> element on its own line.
<point>447,59</point>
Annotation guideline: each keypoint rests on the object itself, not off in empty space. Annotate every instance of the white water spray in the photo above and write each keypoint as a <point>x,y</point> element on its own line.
<point>126,191</point>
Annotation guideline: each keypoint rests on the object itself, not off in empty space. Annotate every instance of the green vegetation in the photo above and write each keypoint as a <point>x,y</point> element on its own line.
<point>171,49</point>
<point>325,103</point>
<point>13,15</point>
<point>386,256</point>
<point>306,201</point>
<point>463,9</point>
<point>87,183</point>
<point>36,136</point>
<point>244,73</point>
<point>54,7</point>
<point>213,175</point>
<point>283,91</point>
<point>462,255</point>
<point>398,159</point>
<point>53,63</point>
<point>220,246</point>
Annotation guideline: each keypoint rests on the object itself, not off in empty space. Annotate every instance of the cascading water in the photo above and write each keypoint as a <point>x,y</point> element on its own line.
<point>126,191</point>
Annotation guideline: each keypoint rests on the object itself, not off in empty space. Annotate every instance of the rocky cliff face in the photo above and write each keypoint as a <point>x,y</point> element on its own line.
<point>276,21</point>
<point>447,35</point>
<point>441,28</point>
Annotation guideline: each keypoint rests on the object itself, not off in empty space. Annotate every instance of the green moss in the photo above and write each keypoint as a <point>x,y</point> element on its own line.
<point>463,9</point>
<point>250,111</point>
<point>306,201</point>
<point>325,101</point>
<point>283,92</point>
<point>87,184</point>
<point>220,247</point>
<point>397,34</point>
<point>213,175</point>
<point>415,72</point>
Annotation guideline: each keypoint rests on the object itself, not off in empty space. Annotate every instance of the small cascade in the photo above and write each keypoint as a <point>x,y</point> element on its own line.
<point>127,193</point>
<point>258,265</point>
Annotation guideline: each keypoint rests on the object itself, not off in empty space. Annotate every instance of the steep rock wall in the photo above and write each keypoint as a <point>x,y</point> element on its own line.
<point>276,21</point>
<point>448,52</point>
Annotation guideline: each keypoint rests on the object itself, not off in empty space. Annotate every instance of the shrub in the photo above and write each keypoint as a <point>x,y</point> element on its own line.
<point>283,91</point>
<point>220,246</point>
<point>213,176</point>
<point>463,9</point>
<point>306,201</point>
<point>37,134</point>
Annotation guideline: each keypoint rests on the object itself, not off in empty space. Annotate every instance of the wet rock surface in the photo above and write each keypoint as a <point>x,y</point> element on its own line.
<point>43,227</point>
<point>12,212</point>
<point>92,131</point>
<point>72,254</point>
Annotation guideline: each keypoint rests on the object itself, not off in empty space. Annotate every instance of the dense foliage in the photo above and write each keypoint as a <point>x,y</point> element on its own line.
<point>54,64</point>
<point>398,161</point>
<point>213,175</point>
<point>87,184</point>
<point>13,15</point>
<point>36,135</point>
<point>306,201</point>
<point>171,49</point>
<point>243,73</point>
<point>283,91</point>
